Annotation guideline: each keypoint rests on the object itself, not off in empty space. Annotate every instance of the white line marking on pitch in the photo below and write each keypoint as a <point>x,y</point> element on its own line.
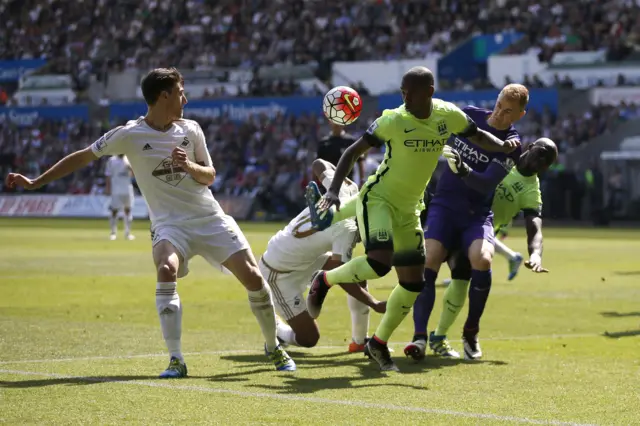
<point>248,351</point>
<point>287,397</point>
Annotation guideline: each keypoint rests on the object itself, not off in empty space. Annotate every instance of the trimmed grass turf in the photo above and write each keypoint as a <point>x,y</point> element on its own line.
<point>559,347</point>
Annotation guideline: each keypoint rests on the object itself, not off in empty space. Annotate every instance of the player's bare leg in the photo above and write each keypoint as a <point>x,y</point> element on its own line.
<point>481,256</point>
<point>127,224</point>
<point>113,224</point>
<point>243,265</point>
<point>167,260</point>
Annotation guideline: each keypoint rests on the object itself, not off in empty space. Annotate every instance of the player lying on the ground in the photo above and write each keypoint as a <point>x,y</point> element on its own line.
<point>459,215</point>
<point>118,186</point>
<point>389,204</point>
<point>173,168</point>
<point>519,191</point>
<point>296,252</point>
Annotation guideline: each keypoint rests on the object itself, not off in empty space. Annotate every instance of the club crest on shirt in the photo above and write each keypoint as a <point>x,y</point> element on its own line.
<point>442,128</point>
<point>169,172</point>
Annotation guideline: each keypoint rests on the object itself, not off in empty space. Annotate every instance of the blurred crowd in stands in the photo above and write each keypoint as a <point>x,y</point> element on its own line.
<point>85,37</point>
<point>204,33</point>
<point>266,158</point>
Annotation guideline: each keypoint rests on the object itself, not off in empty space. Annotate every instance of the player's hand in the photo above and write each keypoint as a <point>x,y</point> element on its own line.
<point>329,199</point>
<point>380,307</point>
<point>454,159</point>
<point>179,155</point>
<point>535,264</point>
<point>510,145</point>
<point>15,180</point>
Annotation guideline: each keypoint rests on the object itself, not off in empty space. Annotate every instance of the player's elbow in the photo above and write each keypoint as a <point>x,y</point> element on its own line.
<point>318,167</point>
<point>210,177</point>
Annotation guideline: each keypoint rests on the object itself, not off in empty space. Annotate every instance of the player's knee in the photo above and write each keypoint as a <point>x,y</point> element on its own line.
<point>380,268</point>
<point>482,261</point>
<point>414,287</point>
<point>252,278</point>
<point>309,338</point>
<point>167,272</point>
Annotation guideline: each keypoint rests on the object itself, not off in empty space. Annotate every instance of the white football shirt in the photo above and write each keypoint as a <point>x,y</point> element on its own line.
<point>117,171</point>
<point>298,245</point>
<point>171,194</point>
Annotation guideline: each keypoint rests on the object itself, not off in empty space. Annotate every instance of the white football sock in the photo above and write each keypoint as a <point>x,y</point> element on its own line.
<point>504,251</point>
<point>286,333</point>
<point>170,312</point>
<point>359,320</point>
<point>113,222</point>
<point>262,307</point>
<point>127,223</point>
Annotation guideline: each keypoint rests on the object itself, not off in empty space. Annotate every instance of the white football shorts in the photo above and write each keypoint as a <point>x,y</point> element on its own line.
<point>288,287</point>
<point>215,238</point>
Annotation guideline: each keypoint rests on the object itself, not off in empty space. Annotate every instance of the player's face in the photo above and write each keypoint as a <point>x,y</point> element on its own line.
<point>416,98</point>
<point>506,112</point>
<point>177,100</point>
<point>536,159</point>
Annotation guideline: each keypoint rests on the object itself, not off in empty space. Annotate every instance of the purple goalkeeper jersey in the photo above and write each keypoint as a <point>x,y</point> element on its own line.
<point>474,193</point>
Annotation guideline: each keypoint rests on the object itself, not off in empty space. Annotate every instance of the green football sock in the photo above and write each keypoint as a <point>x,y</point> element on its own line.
<point>398,306</point>
<point>354,271</point>
<point>452,303</point>
<point>347,210</point>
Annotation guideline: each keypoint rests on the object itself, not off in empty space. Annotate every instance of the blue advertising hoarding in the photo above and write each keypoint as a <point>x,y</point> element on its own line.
<point>27,116</point>
<point>538,99</point>
<point>237,109</point>
<point>240,109</point>
<point>467,61</point>
<point>11,71</point>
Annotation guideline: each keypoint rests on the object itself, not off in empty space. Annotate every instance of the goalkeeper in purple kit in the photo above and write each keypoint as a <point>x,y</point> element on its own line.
<point>460,217</point>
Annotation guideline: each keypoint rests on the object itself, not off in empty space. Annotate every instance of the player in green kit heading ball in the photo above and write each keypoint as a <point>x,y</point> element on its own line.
<point>389,205</point>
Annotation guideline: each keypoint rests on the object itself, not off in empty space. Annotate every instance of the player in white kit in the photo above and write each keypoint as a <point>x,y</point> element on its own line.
<point>119,187</point>
<point>299,250</point>
<point>173,169</point>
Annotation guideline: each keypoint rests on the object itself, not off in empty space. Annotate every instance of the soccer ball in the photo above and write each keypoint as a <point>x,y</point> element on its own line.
<point>342,105</point>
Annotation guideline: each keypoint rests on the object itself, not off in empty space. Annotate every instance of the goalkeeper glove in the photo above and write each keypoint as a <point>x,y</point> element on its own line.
<point>454,159</point>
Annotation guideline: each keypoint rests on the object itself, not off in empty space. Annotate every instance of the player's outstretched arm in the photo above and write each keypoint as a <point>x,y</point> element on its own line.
<point>348,158</point>
<point>483,182</point>
<point>320,167</point>
<point>359,293</point>
<point>489,142</point>
<point>69,164</point>
<point>534,242</point>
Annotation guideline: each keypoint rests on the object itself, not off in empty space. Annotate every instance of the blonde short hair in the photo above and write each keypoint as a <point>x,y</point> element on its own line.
<point>516,92</point>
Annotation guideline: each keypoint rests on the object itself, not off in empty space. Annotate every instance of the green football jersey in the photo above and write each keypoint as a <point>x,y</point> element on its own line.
<point>514,194</point>
<point>412,149</point>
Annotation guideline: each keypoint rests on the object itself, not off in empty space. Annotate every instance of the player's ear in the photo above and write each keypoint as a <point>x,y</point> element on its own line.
<point>432,90</point>
<point>522,114</point>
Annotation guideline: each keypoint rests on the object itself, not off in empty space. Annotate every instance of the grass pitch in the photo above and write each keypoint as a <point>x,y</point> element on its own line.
<point>80,341</point>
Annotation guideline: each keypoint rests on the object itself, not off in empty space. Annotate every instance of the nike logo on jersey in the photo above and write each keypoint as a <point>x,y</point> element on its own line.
<point>147,147</point>
<point>408,131</point>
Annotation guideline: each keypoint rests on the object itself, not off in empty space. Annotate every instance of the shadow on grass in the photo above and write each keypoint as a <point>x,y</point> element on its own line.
<point>619,334</point>
<point>613,314</point>
<point>90,380</point>
<point>366,375</point>
<point>627,273</point>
